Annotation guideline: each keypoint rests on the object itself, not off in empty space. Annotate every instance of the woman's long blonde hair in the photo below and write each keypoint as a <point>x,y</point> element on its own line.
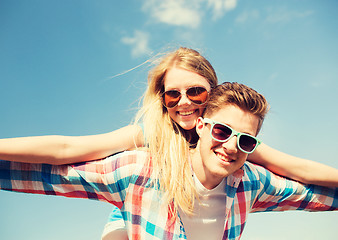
<point>168,143</point>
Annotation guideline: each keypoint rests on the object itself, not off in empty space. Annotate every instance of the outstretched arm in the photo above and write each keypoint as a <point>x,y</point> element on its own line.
<point>299,169</point>
<point>97,180</point>
<point>59,150</point>
<point>281,194</point>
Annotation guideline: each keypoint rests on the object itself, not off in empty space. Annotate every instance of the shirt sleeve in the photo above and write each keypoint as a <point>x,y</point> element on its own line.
<point>115,225</point>
<point>275,193</point>
<point>104,180</point>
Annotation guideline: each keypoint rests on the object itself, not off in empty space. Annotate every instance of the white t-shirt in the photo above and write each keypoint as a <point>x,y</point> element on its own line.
<point>209,213</point>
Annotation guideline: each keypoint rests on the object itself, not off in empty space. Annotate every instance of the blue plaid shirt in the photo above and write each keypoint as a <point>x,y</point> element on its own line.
<point>125,181</point>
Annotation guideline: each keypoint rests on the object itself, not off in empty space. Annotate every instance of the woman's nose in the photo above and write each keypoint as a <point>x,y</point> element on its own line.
<point>184,100</point>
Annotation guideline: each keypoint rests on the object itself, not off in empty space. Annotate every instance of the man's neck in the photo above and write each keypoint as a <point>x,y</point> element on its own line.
<point>207,180</point>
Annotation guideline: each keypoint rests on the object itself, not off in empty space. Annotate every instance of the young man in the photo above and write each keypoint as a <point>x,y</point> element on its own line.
<point>227,188</point>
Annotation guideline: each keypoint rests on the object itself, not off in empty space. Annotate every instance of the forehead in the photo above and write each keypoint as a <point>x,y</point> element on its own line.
<point>179,78</point>
<point>236,118</point>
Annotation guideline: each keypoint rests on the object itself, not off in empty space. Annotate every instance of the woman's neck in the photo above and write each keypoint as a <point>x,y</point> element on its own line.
<point>192,137</point>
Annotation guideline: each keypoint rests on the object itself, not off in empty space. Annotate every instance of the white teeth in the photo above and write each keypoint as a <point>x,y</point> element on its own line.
<point>223,157</point>
<point>186,113</point>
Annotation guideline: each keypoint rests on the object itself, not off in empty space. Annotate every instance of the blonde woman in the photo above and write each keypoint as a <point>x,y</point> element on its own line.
<point>176,96</point>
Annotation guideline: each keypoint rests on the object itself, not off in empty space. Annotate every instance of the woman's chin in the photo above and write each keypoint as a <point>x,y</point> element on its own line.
<point>188,125</point>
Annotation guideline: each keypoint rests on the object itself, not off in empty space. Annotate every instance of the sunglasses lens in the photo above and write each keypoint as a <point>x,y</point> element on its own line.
<point>221,132</point>
<point>247,143</point>
<point>197,95</point>
<point>171,98</point>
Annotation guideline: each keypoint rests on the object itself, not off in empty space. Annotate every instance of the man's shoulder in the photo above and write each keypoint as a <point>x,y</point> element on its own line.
<point>259,174</point>
<point>251,168</point>
<point>254,172</point>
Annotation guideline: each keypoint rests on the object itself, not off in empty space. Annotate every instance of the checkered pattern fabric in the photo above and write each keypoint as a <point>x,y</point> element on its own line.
<point>125,181</point>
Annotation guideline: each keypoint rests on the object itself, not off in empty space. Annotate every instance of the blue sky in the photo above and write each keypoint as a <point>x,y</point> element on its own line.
<point>58,61</point>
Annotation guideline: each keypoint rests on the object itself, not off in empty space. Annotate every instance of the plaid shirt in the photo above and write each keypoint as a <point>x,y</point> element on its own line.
<point>124,180</point>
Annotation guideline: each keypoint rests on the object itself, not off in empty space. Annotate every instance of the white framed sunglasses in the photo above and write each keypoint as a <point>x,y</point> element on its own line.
<point>221,132</point>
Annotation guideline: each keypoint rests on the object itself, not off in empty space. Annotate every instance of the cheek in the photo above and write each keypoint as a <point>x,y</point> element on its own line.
<point>201,110</point>
<point>172,113</point>
<point>206,143</point>
<point>242,157</point>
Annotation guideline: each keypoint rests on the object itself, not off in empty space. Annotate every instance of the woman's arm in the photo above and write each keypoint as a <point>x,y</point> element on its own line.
<point>299,169</point>
<point>59,150</point>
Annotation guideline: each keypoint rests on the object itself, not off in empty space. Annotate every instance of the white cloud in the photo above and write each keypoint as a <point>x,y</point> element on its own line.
<point>182,13</point>
<point>272,15</point>
<point>174,12</point>
<point>186,13</point>
<point>285,15</point>
<point>220,7</point>
<point>247,16</point>
<point>139,43</point>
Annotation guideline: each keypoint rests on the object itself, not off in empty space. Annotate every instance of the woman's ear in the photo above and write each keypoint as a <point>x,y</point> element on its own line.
<point>199,126</point>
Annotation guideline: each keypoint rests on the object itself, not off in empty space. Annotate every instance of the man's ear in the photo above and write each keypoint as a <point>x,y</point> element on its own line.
<point>199,126</point>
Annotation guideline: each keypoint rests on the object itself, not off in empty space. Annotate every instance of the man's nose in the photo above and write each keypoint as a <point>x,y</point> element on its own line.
<point>230,146</point>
